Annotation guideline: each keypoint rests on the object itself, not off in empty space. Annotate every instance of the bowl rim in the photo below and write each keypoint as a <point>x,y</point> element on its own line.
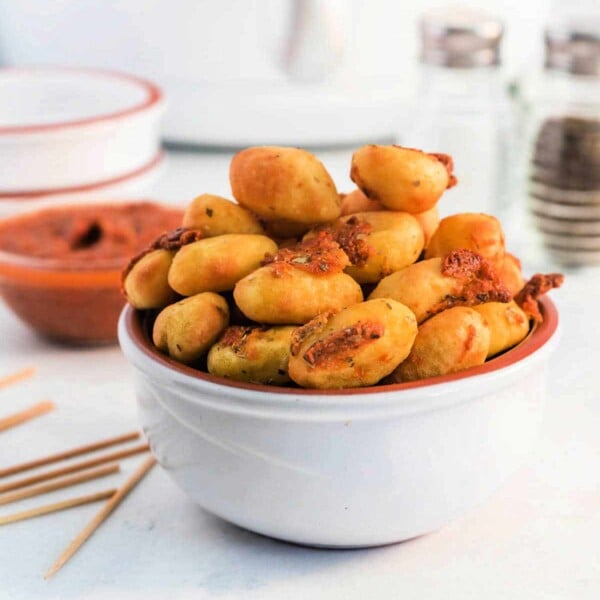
<point>154,97</point>
<point>94,186</point>
<point>131,330</point>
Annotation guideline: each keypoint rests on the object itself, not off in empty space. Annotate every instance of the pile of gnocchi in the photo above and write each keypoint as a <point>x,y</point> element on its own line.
<point>294,283</point>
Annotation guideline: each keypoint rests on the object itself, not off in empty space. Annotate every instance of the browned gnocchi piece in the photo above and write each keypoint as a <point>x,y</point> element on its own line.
<point>187,329</point>
<point>510,273</point>
<point>213,216</point>
<point>146,284</point>
<point>451,341</point>
<point>284,183</point>
<point>287,295</point>
<point>253,354</point>
<point>508,325</point>
<point>440,293</point>
<point>387,241</point>
<point>400,178</point>
<point>356,201</point>
<point>298,283</point>
<point>429,221</point>
<point>355,347</point>
<point>216,264</point>
<point>462,278</point>
<point>478,232</point>
<point>284,230</point>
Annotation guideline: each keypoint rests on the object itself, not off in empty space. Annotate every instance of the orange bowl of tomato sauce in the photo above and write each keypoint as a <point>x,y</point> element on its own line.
<point>60,267</point>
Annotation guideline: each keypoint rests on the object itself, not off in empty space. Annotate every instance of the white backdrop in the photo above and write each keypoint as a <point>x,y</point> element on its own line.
<point>207,54</point>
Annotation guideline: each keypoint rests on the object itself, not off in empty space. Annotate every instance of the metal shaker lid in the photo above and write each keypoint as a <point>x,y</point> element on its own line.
<point>574,47</point>
<point>460,37</point>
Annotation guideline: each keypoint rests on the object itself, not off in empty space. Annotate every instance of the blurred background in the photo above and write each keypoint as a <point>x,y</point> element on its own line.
<point>466,79</point>
<point>234,69</point>
<point>509,88</point>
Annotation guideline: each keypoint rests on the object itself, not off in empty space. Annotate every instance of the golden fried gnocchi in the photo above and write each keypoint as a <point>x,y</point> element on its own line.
<point>442,295</point>
<point>284,183</point>
<point>386,241</point>
<point>145,279</point>
<point>187,329</point>
<point>253,354</point>
<point>478,232</point>
<point>508,325</point>
<point>462,278</point>
<point>213,216</point>
<point>281,229</point>
<point>356,202</point>
<point>429,221</point>
<point>355,347</point>
<point>146,285</point>
<point>451,341</point>
<point>216,264</point>
<point>284,294</point>
<point>509,271</point>
<point>402,178</point>
<point>298,283</point>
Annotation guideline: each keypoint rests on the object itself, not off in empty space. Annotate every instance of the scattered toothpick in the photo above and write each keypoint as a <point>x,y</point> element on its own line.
<point>25,488</point>
<point>39,511</point>
<point>27,414</point>
<point>52,486</point>
<point>73,468</point>
<point>18,376</point>
<point>101,516</point>
<point>71,453</point>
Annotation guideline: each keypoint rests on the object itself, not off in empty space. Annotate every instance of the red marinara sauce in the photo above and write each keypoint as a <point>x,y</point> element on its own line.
<point>60,266</point>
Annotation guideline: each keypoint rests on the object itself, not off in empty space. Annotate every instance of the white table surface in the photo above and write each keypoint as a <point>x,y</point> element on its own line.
<point>537,538</point>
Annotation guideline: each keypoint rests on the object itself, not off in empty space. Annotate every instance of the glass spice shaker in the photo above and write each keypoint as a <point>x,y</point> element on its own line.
<point>564,145</point>
<point>463,108</point>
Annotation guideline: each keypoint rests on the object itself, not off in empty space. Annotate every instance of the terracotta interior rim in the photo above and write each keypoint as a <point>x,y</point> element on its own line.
<point>537,338</point>
<point>154,96</point>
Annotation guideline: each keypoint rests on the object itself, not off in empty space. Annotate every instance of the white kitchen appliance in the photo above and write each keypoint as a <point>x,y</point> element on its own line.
<point>236,72</point>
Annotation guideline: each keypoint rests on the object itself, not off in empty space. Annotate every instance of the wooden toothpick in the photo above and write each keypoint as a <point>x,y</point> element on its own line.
<point>27,414</point>
<point>71,453</point>
<point>73,468</point>
<point>15,377</point>
<point>38,511</point>
<point>101,516</point>
<point>59,484</point>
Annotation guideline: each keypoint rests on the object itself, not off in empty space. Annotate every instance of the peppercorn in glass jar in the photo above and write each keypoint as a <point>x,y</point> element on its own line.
<point>563,153</point>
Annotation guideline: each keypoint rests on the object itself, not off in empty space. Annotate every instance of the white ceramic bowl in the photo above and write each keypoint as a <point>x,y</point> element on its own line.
<point>62,129</point>
<point>348,468</point>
